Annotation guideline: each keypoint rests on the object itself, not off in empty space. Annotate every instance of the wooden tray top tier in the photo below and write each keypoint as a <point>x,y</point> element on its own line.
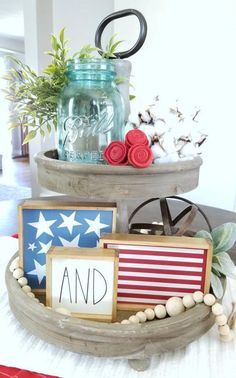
<point>112,183</point>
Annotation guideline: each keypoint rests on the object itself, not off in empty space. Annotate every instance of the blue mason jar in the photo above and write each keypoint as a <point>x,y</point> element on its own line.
<point>90,111</point>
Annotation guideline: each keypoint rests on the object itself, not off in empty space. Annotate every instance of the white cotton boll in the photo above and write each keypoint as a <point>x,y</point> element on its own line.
<point>149,130</point>
<point>157,151</point>
<point>167,142</point>
<point>179,145</point>
<point>134,119</point>
<point>168,158</point>
<point>154,112</point>
<point>145,117</point>
<point>160,127</point>
<point>188,150</point>
<point>197,137</point>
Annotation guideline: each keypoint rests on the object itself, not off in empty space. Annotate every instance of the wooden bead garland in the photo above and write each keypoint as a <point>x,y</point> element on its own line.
<point>174,306</point>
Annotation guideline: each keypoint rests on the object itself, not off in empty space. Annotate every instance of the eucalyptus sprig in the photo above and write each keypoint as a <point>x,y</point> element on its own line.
<point>223,239</point>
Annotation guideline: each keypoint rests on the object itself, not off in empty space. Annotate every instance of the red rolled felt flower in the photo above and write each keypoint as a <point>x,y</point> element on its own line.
<point>136,136</point>
<point>116,153</point>
<point>140,156</point>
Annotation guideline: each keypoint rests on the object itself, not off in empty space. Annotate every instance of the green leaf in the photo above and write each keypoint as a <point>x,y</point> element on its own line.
<point>54,42</point>
<point>203,234</point>
<point>49,127</point>
<point>42,133</point>
<point>224,237</point>
<point>120,79</point>
<point>227,266</point>
<point>29,136</point>
<point>216,286</point>
<point>62,35</point>
<point>12,125</point>
<point>111,48</point>
<point>132,97</point>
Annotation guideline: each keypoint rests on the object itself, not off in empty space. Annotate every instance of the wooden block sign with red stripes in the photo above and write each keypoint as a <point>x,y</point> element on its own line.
<point>153,268</point>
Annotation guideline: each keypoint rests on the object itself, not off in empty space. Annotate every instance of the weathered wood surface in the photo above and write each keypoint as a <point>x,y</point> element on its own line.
<point>116,182</point>
<point>103,339</point>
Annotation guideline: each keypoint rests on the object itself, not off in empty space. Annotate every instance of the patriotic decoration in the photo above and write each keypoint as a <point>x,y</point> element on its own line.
<point>151,271</point>
<point>68,226</point>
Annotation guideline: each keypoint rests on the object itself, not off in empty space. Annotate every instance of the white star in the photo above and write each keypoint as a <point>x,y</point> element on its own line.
<point>42,225</point>
<point>32,247</point>
<point>44,247</point>
<point>39,271</point>
<point>72,243</point>
<point>95,225</point>
<point>69,221</point>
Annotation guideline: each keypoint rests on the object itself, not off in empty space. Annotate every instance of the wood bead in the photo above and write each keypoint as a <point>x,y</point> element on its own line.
<point>150,314</point>
<point>228,337</point>
<point>125,321</point>
<point>221,319</point>
<point>174,306</point>
<point>14,264</point>
<point>188,301</point>
<point>224,330</point>
<point>134,319</point>
<point>217,309</point>
<point>18,273</point>
<point>198,296</point>
<point>209,299</point>
<point>142,316</point>
<point>31,295</point>
<point>62,311</point>
<point>26,288</point>
<point>22,281</point>
<point>160,311</point>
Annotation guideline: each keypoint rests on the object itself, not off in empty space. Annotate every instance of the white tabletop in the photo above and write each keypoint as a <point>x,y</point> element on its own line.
<point>206,357</point>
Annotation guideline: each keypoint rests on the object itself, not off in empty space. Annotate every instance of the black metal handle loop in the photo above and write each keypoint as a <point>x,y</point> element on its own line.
<point>120,14</point>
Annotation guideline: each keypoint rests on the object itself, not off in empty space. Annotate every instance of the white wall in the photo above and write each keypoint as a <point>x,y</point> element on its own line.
<point>80,18</point>
<point>38,28</point>
<point>189,53</point>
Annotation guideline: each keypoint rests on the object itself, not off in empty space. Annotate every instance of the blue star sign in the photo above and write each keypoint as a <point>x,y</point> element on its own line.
<point>45,227</point>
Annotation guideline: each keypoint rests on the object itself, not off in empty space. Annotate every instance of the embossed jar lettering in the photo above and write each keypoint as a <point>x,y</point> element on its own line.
<point>90,111</point>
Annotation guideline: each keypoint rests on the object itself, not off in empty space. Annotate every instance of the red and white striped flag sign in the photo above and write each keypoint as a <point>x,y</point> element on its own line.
<point>154,268</point>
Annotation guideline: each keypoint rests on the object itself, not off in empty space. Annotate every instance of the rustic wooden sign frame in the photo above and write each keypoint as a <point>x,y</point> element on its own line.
<point>82,280</point>
<point>153,268</point>
<point>44,223</point>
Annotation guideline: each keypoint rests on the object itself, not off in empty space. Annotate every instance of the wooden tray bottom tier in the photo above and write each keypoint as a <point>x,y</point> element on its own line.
<point>138,341</point>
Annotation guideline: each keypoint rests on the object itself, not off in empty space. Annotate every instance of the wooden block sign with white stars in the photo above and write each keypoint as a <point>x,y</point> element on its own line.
<point>84,281</point>
<point>47,223</point>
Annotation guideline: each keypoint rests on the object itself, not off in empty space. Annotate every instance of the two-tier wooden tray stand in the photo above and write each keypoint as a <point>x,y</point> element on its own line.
<point>137,342</point>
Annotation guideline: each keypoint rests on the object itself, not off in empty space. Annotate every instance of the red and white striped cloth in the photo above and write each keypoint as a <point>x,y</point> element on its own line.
<point>151,274</point>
